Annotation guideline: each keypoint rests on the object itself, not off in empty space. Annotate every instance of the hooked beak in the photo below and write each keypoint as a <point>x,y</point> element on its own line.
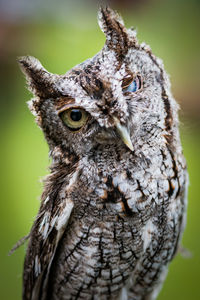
<point>123,133</point>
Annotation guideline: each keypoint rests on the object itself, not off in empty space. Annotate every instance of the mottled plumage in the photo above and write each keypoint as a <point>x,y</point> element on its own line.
<point>113,208</point>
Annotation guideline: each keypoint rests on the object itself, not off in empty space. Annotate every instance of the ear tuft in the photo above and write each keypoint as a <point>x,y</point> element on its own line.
<point>118,38</point>
<point>29,65</point>
<point>40,81</point>
<point>108,19</point>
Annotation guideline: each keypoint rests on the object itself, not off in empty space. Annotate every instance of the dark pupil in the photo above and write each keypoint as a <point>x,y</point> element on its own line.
<point>76,115</point>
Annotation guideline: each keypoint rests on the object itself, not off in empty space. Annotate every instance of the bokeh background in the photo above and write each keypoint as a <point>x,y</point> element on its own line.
<point>62,34</point>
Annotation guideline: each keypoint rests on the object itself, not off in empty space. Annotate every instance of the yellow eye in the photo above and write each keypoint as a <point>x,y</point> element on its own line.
<point>74,118</point>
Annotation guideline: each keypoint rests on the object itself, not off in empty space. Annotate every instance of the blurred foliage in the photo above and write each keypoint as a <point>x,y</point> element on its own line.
<point>172,30</point>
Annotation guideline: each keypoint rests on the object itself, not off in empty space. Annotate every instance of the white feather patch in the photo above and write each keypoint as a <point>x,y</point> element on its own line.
<point>148,229</point>
<point>123,294</point>
<point>65,214</point>
<point>37,266</point>
<point>44,225</point>
<point>64,217</point>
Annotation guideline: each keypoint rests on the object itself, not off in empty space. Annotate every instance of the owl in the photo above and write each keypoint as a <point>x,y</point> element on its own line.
<point>113,208</point>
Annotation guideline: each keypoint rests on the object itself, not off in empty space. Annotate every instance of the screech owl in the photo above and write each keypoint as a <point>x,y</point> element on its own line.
<point>113,208</point>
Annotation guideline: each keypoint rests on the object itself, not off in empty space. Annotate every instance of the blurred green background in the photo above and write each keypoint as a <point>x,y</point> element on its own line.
<point>64,33</point>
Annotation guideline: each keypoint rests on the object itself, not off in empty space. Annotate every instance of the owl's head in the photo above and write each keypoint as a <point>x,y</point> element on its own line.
<point>119,98</point>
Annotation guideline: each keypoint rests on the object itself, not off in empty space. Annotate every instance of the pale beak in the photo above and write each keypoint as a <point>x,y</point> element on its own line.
<point>123,133</point>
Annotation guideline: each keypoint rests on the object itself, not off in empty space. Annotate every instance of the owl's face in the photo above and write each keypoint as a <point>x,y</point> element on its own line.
<point>117,98</point>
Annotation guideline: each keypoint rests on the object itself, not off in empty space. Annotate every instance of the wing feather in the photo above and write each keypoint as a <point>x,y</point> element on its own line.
<point>49,226</point>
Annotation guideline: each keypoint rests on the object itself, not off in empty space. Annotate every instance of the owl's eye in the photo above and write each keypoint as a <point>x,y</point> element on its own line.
<point>133,86</point>
<point>74,118</point>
